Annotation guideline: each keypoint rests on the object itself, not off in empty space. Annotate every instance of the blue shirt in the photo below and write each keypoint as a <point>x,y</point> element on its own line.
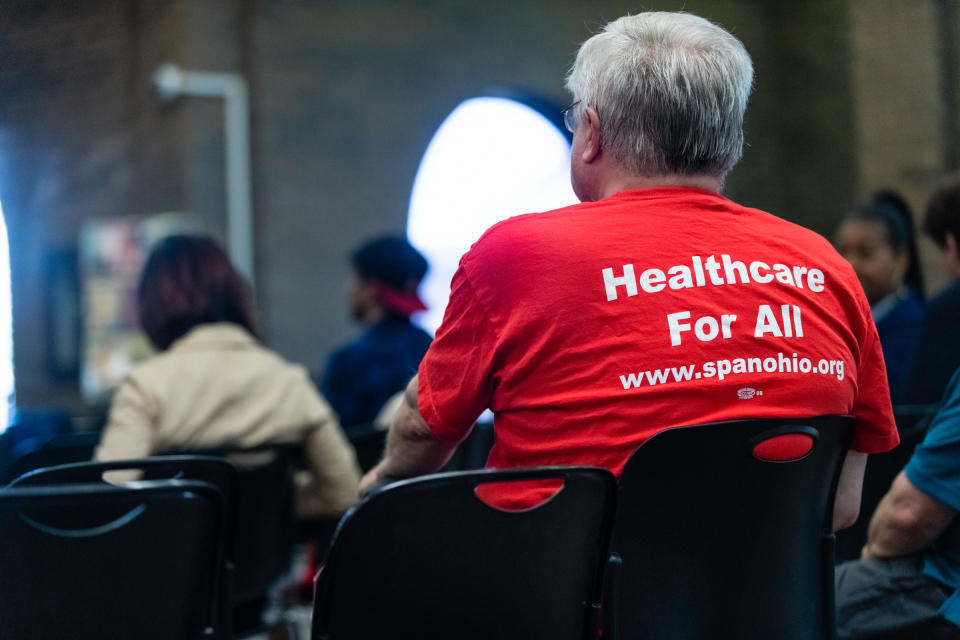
<point>899,326</point>
<point>934,469</point>
<point>361,376</point>
<point>937,352</point>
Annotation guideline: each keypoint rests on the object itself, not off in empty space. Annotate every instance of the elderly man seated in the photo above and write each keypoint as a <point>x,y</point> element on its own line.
<point>910,567</point>
<point>655,302</point>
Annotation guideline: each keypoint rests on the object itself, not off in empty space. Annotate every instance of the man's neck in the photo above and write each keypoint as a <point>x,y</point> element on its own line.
<point>627,182</point>
<point>611,177</point>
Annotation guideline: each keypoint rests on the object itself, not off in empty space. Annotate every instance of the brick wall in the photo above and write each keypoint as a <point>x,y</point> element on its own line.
<point>345,98</point>
<point>899,64</point>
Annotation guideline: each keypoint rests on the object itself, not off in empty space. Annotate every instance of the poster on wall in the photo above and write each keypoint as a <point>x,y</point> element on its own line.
<point>112,253</point>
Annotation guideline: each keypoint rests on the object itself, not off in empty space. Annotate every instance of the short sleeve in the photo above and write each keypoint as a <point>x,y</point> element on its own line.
<point>455,376</point>
<point>934,467</point>
<point>875,429</point>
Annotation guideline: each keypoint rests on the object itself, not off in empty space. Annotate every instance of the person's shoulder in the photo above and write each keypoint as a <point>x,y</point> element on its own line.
<point>821,253</point>
<point>771,223</point>
<point>415,332</point>
<point>525,221</point>
<point>348,358</point>
<point>270,368</point>
<point>345,351</point>
<point>905,317</point>
<point>912,306</point>
<point>158,365</point>
<point>948,300</point>
<point>505,238</point>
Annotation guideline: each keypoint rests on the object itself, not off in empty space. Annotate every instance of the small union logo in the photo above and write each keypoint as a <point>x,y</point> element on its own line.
<point>748,394</point>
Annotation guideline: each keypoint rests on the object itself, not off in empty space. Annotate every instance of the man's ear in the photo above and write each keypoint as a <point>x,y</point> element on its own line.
<point>591,144</point>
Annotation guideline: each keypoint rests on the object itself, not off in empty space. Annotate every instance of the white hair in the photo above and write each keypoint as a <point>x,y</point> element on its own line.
<point>670,90</point>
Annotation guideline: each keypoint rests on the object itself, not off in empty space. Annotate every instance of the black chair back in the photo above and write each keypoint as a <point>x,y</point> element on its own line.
<point>257,485</point>
<point>99,561</point>
<point>427,559</point>
<point>209,469</point>
<point>264,519</point>
<point>717,542</point>
<point>53,450</point>
<point>368,441</point>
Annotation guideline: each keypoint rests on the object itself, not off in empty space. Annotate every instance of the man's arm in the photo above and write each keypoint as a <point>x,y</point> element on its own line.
<point>906,521</point>
<point>412,449</point>
<point>846,502</point>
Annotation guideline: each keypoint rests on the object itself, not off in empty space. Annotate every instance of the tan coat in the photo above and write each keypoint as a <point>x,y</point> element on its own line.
<point>217,387</point>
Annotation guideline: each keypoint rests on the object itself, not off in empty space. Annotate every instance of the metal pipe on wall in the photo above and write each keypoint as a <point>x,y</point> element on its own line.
<point>171,82</point>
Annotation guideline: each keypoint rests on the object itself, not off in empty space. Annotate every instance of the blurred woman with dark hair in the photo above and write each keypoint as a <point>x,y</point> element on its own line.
<point>879,241</point>
<point>213,385</point>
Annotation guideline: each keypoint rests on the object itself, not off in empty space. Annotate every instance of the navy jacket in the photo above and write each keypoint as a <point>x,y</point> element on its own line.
<point>361,376</point>
<point>899,329</point>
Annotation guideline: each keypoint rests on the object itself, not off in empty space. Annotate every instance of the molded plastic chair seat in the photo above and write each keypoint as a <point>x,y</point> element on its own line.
<point>425,558</point>
<point>724,532</point>
<point>90,562</point>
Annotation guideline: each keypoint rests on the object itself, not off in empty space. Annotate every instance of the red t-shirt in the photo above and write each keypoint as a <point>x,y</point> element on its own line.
<point>590,328</point>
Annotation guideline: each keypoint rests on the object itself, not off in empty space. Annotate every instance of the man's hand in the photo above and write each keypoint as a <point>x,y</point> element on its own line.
<point>371,480</point>
<point>412,449</point>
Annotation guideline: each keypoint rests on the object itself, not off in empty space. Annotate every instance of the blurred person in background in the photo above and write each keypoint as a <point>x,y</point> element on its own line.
<point>361,377</point>
<point>214,386</point>
<point>879,241</point>
<point>909,569</point>
<point>937,354</point>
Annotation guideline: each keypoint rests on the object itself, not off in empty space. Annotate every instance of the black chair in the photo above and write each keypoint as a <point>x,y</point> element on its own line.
<point>722,534</point>
<point>368,441</point>
<point>212,470</point>
<point>99,561</point>
<point>258,489</point>
<point>51,450</point>
<point>882,468</point>
<point>425,558</point>
<point>264,524</point>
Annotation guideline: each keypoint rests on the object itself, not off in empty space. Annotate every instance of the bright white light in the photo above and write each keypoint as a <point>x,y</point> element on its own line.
<point>492,158</point>
<point>6,330</point>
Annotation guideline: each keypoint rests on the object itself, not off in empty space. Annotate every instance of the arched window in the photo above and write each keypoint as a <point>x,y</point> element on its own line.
<point>493,157</point>
<point>6,328</point>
